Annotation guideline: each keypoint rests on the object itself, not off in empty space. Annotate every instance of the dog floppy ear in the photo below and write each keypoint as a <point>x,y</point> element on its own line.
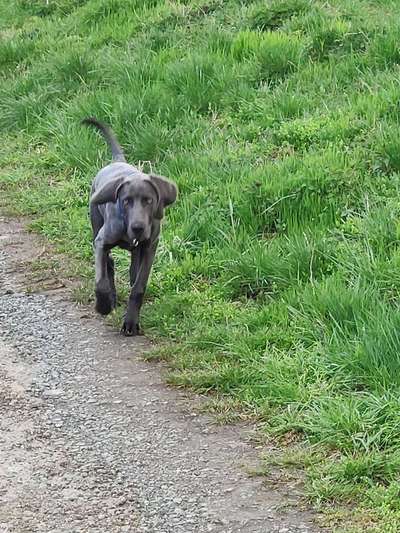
<point>109,191</point>
<point>167,193</point>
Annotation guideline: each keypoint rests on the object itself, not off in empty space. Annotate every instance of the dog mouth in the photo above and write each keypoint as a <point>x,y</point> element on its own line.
<point>135,242</point>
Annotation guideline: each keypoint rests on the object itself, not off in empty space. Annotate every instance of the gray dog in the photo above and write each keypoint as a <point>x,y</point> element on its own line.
<point>126,208</point>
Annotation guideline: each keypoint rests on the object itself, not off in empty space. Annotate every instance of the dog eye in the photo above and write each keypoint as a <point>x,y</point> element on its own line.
<point>148,200</point>
<point>125,202</point>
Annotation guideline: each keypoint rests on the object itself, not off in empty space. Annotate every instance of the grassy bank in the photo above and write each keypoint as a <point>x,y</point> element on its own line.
<point>278,275</point>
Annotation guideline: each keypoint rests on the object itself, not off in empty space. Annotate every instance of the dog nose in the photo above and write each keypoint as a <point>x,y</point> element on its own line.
<point>137,230</point>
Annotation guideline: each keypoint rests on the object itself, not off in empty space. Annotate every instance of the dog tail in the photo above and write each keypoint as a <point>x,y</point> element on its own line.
<point>108,134</point>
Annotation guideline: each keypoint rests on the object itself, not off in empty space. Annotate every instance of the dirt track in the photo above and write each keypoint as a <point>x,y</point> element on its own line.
<point>92,440</point>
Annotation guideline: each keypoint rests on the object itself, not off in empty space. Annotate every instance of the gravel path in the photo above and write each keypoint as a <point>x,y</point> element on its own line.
<point>92,441</point>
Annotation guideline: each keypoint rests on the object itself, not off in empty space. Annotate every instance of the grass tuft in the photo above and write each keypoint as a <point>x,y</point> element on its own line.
<point>271,15</point>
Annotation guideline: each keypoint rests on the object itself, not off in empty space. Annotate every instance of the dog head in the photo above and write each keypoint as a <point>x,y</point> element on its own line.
<point>141,199</point>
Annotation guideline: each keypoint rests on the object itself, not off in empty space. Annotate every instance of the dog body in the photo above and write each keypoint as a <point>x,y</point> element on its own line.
<point>126,208</point>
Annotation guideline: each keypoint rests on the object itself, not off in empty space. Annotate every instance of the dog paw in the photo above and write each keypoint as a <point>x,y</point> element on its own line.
<point>105,302</point>
<point>130,329</point>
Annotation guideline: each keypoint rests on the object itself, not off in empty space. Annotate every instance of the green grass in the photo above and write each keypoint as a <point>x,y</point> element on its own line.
<point>278,276</point>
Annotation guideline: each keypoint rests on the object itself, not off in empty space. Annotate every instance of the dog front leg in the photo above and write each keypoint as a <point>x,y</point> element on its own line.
<point>104,295</point>
<point>130,326</point>
<point>136,260</point>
